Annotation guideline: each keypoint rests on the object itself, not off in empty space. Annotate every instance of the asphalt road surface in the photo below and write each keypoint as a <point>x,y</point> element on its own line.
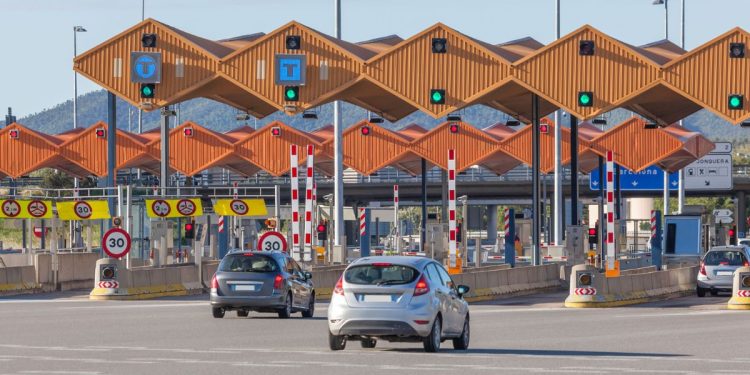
<point>68,334</point>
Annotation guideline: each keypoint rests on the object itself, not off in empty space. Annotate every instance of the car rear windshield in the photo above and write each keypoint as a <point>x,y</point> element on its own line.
<point>248,263</point>
<point>380,274</point>
<point>724,258</point>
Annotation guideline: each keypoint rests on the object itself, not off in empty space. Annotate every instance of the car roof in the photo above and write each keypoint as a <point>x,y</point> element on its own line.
<point>274,253</point>
<point>728,248</point>
<point>412,261</point>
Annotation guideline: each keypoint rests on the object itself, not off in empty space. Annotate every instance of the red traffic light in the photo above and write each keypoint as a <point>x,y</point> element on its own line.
<point>543,128</point>
<point>321,228</point>
<point>365,130</point>
<point>453,128</point>
<point>188,227</point>
<point>188,131</point>
<point>276,131</point>
<point>14,134</point>
<point>592,231</point>
<point>731,232</point>
<point>101,133</point>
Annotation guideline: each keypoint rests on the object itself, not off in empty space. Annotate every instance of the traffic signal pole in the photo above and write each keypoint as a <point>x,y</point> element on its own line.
<point>338,159</point>
<point>111,146</point>
<point>164,165</point>
<point>535,238</point>
<point>574,219</point>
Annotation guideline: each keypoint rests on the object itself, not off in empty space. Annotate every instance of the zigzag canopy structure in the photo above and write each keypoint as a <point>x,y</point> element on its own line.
<point>245,151</point>
<point>395,77</point>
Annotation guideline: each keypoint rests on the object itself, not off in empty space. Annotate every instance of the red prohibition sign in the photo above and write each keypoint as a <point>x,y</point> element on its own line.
<point>271,241</point>
<point>83,210</point>
<point>11,208</point>
<point>116,243</point>
<point>161,208</point>
<point>186,207</point>
<point>238,207</point>
<point>37,208</point>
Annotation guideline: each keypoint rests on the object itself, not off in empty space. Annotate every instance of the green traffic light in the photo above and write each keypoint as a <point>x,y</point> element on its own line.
<point>437,96</point>
<point>147,91</point>
<point>291,93</point>
<point>585,99</point>
<point>735,101</point>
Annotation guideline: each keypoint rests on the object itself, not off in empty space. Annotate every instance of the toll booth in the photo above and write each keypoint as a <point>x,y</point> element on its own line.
<point>162,241</point>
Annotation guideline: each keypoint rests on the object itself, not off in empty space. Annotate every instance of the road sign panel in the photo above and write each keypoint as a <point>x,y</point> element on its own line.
<point>290,69</point>
<point>11,208</point>
<point>145,67</point>
<point>83,210</point>
<point>233,207</point>
<point>37,209</point>
<point>163,208</point>
<point>723,212</point>
<point>722,148</point>
<point>272,241</point>
<point>651,178</point>
<point>186,207</point>
<point>116,243</point>
<point>239,207</point>
<point>711,172</point>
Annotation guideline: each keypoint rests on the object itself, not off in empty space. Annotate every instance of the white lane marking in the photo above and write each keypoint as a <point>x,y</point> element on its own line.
<point>60,372</point>
<point>629,370</point>
<point>25,301</point>
<point>474,311</point>
<point>53,348</point>
<point>690,313</point>
<point>69,359</point>
<point>140,306</point>
<point>192,361</point>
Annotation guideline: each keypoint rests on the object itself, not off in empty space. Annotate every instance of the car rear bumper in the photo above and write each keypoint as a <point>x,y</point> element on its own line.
<point>720,284</point>
<point>344,320</point>
<point>276,301</point>
<point>377,328</point>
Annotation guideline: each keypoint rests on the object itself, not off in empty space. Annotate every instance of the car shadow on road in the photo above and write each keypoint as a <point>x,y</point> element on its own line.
<point>543,353</point>
<point>271,317</point>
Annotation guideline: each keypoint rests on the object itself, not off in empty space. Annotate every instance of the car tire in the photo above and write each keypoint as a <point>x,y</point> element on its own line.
<point>368,343</point>
<point>242,313</point>
<point>218,312</point>
<point>462,342</point>
<point>310,308</point>
<point>714,293</point>
<point>286,312</point>
<point>432,341</point>
<point>700,292</point>
<point>336,342</point>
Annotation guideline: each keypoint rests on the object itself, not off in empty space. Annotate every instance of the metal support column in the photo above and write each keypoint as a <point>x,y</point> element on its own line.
<point>665,197</point>
<point>510,238</point>
<point>338,189</point>
<point>444,196</point>
<point>364,241</point>
<point>574,219</point>
<point>111,146</point>
<point>535,216</point>
<point>618,194</point>
<point>164,164</point>
<point>602,228</point>
<point>741,214</point>
<point>423,228</point>
<point>558,193</point>
<point>656,240</point>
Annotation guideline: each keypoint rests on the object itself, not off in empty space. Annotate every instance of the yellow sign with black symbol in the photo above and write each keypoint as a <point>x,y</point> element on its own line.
<point>83,210</point>
<point>240,207</point>
<point>163,208</point>
<point>25,209</point>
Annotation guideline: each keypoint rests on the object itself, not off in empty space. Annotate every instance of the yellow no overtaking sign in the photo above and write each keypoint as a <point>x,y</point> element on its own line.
<point>159,208</point>
<point>240,207</point>
<point>25,209</point>
<point>83,210</point>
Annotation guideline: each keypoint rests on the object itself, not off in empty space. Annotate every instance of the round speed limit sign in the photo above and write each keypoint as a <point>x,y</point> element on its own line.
<point>116,243</point>
<point>239,207</point>
<point>83,210</point>
<point>272,241</point>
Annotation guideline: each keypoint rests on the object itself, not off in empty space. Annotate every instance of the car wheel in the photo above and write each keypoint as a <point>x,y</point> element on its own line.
<point>700,291</point>
<point>433,340</point>
<point>462,343</point>
<point>336,342</point>
<point>286,312</point>
<point>218,312</point>
<point>310,308</point>
<point>369,343</point>
<point>242,313</point>
<point>714,293</point>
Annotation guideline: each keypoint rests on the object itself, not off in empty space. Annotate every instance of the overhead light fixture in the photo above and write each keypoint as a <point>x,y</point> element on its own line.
<point>745,124</point>
<point>454,117</point>
<point>310,115</point>
<point>374,119</point>
<point>650,125</point>
<point>243,116</point>
<point>599,121</point>
<point>512,122</point>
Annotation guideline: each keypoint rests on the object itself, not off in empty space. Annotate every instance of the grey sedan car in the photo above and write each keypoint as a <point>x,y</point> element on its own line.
<point>398,299</point>
<point>717,269</point>
<point>264,282</point>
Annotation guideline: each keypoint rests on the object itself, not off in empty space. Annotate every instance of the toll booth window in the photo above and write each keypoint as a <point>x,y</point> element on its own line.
<point>724,258</point>
<point>376,274</point>
<point>243,263</point>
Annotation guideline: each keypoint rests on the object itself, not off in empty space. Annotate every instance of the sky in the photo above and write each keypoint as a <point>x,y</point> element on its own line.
<point>37,35</point>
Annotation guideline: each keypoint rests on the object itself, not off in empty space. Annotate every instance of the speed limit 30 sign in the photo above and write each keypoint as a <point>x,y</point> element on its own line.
<point>116,243</point>
<point>83,210</point>
<point>272,241</point>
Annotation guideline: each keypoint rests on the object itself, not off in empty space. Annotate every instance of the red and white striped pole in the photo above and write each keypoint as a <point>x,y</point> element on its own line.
<point>221,224</point>
<point>506,221</point>
<point>653,224</point>
<point>452,249</point>
<point>610,212</point>
<point>295,201</point>
<point>307,254</point>
<point>362,225</point>
<point>396,226</point>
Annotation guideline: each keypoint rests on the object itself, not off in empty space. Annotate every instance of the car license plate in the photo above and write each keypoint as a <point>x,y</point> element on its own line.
<point>724,273</point>
<point>378,298</point>
<point>244,288</point>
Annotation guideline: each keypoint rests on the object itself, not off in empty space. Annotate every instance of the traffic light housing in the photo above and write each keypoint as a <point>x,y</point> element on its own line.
<point>736,101</point>
<point>293,42</point>
<point>593,238</point>
<point>107,272</point>
<point>437,96</point>
<point>365,130</point>
<point>101,133</point>
<point>585,98</point>
<point>459,232</point>
<point>291,93</point>
<point>116,221</point>
<point>586,48</point>
<point>148,40</point>
<point>439,45</point>
<point>736,50</point>
<point>732,232</point>
<point>189,230</point>
<point>14,134</point>
<point>453,127</point>
<point>322,229</point>
<point>188,131</point>
<point>276,131</point>
<point>147,90</point>
<point>543,128</point>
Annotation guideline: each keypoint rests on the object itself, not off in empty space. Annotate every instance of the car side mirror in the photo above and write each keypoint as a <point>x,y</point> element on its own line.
<point>463,289</point>
<point>308,275</point>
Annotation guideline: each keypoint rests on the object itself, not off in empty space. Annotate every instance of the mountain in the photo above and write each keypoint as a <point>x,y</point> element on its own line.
<point>92,108</point>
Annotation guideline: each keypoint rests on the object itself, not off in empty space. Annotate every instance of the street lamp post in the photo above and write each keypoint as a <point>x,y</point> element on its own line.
<point>666,16</point>
<point>76,30</point>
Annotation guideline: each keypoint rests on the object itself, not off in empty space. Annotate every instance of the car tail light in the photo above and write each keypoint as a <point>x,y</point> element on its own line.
<point>422,287</point>
<point>422,322</point>
<point>277,282</point>
<point>382,264</point>
<point>746,264</point>
<point>703,269</point>
<point>214,283</point>
<point>723,263</point>
<point>339,288</point>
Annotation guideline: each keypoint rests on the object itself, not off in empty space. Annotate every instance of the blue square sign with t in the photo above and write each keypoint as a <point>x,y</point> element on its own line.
<point>290,69</point>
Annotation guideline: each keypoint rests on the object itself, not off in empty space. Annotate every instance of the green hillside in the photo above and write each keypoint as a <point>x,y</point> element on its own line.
<point>219,117</point>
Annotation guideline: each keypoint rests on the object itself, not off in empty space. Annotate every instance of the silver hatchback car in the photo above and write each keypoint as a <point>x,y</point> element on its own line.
<point>266,281</point>
<point>398,299</point>
<point>717,269</point>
